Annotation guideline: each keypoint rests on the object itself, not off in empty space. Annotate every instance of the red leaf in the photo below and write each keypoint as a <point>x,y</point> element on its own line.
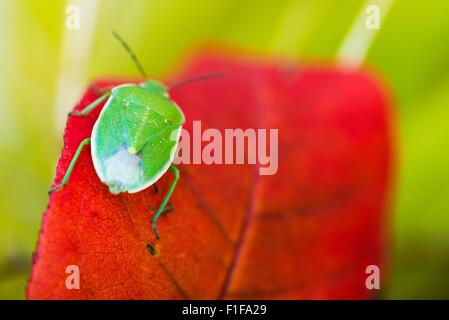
<point>307,232</point>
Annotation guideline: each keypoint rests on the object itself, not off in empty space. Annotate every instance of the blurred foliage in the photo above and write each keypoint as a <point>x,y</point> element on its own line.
<point>410,51</point>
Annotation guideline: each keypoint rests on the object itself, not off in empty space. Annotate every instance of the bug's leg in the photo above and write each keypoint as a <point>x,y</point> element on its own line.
<point>101,91</point>
<point>164,202</point>
<point>91,106</point>
<point>168,208</point>
<point>71,165</point>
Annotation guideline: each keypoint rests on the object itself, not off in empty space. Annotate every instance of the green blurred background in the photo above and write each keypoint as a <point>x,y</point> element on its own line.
<point>44,68</point>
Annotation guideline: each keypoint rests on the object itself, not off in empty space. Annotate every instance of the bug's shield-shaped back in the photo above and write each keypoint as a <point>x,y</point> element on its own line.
<point>133,144</point>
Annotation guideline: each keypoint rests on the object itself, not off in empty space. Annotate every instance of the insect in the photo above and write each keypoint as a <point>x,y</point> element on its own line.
<point>135,137</point>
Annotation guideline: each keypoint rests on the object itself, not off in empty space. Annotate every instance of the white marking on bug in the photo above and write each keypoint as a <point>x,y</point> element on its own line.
<point>122,169</point>
<point>174,136</point>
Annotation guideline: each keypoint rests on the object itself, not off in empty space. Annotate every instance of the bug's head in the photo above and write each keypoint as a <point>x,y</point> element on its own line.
<point>155,87</point>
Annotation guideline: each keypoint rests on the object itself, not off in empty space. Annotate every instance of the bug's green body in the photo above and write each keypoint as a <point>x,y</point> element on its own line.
<point>135,137</point>
<point>133,140</point>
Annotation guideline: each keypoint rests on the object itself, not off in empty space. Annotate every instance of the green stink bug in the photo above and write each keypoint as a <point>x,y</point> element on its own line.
<point>135,137</point>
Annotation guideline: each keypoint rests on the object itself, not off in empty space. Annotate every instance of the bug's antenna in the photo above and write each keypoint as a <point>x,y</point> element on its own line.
<point>131,53</point>
<point>200,77</point>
